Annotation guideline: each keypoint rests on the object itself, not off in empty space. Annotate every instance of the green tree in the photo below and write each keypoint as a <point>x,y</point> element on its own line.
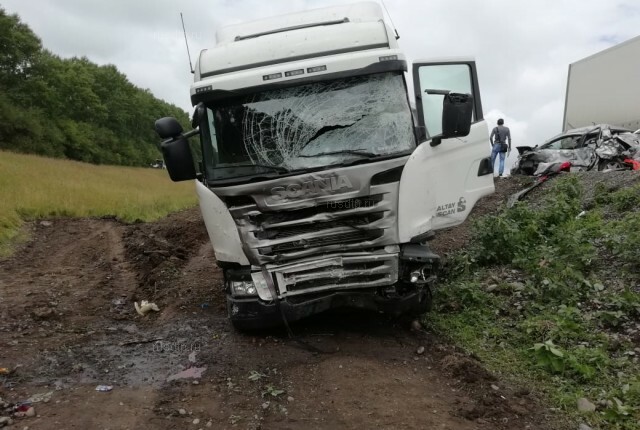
<point>72,107</point>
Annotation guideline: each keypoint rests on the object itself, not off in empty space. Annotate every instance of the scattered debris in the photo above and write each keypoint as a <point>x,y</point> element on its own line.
<point>545,171</point>
<point>415,325</point>
<point>24,410</point>
<point>196,421</point>
<point>420,350</point>
<point>584,427</point>
<point>42,397</point>
<point>46,223</point>
<point>635,164</point>
<point>104,388</point>
<point>182,412</point>
<point>585,405</point>
<point>494,387</point>
<point>290,399</point>
<point>192,372</point>
<point>145,307</point>
<point>192,356</point>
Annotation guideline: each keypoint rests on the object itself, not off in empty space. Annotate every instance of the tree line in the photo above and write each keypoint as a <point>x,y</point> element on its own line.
<point>73,108</point>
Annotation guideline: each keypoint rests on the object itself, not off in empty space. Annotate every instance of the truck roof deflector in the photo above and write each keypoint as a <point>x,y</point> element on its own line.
<point>295,27</point>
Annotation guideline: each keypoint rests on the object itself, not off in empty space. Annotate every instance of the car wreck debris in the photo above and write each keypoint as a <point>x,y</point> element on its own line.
<point>600,147</point>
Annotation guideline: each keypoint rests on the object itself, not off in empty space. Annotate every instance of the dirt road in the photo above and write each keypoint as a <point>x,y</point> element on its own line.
<point>67,324</point>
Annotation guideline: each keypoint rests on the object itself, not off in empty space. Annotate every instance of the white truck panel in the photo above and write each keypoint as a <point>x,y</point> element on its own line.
<point>289,46</point>
<point>440,185</point>
<point>605,88</point>
<point>357,12</point>
<point>334,63</point>
<point>222,230</point>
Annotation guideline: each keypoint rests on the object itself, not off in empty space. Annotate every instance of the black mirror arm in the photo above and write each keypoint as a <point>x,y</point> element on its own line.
<point>437,92</point>
<point>192,133</point>
<point>186,135</point>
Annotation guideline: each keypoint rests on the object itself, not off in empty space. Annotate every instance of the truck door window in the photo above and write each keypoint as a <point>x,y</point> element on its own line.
<point>453,77</point>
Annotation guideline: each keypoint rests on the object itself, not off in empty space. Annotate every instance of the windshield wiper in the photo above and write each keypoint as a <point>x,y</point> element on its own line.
<point>266,166</point>
<point>363,153</point>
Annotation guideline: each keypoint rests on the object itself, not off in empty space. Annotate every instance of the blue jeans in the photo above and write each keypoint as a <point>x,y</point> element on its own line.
<point>494,153</point>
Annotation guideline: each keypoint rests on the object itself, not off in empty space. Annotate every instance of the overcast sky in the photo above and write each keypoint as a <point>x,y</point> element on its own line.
<point>522,48</point>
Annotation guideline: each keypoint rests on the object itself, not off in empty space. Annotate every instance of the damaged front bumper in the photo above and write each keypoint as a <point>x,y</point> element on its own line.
<point>254,313</point>
<point>393,280</point>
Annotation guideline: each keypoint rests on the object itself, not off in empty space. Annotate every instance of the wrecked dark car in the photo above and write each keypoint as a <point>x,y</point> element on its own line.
<point>598,147</point>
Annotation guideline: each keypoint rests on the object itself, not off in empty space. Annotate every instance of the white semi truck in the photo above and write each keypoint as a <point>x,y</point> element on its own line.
<point>318,187</point>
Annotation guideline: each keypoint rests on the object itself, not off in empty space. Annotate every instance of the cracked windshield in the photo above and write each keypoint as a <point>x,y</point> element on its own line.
<point>310,126</point>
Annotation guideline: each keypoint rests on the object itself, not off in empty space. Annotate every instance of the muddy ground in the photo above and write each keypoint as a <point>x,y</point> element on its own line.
<point>68,324</point>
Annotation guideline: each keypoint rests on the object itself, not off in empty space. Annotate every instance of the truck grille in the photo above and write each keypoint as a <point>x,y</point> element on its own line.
<point>355,270</point>
<point>345,238</point>
<point>355,222</point>
<point>329,227</point>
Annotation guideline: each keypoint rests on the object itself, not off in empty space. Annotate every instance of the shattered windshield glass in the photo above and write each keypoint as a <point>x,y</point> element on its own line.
<point>309,126</point>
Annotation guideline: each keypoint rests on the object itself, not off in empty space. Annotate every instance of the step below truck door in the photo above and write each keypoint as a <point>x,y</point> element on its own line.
<point>441,182</point>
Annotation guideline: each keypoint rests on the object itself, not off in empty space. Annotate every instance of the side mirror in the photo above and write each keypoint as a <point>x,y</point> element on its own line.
<point>168,127</point>
<point>457,110</point>
<point>178,159</point>
<point>198,115</point>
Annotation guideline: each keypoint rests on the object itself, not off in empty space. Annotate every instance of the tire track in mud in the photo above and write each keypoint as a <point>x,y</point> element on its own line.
<point>93,270</point>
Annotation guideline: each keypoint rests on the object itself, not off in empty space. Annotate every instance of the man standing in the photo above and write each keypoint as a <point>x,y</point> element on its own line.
<point>499,146</point>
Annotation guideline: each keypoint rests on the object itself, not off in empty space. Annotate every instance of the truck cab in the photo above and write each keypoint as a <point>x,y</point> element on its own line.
<point>318,186</point>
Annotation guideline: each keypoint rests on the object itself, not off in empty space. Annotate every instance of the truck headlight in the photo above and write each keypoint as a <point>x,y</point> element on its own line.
<point>261,286</point>
<point>243,288</point>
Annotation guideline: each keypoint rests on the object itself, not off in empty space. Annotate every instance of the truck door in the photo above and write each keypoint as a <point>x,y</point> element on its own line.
<point>443,179</point>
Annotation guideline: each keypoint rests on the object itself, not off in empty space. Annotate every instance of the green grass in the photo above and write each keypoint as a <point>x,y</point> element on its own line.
<point>33,187</point>
<point>545,297</point>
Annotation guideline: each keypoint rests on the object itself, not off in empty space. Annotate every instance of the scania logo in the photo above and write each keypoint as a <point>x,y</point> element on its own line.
<point>312,188</point>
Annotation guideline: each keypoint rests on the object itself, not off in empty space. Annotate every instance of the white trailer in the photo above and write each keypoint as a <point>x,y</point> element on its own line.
<point>605,88</point>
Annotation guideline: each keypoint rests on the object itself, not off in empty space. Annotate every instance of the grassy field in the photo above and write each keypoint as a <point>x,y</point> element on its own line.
<point>33,187</point>
<point>549,295</point>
